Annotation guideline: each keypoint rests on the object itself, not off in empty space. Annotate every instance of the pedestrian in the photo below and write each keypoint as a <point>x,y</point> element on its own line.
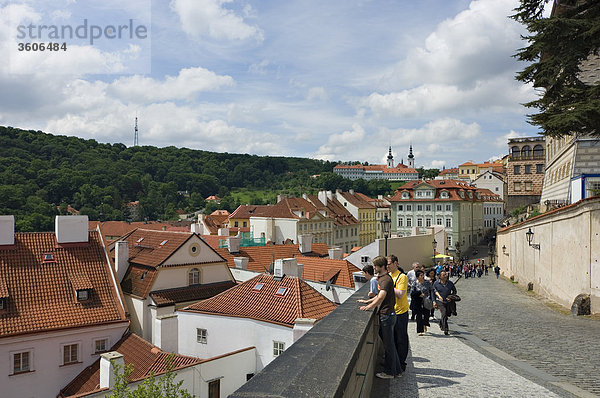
<point>497,271</point>
<point>411,281</point>
<point>420,298</point>
<point>385,299</point>
<point>443,288</point>
<point>368,273</point>
<point>401,308</point>
<point>430,279</point>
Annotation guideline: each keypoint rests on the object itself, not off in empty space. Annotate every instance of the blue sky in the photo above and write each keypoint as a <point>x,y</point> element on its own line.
<point>336,80</point>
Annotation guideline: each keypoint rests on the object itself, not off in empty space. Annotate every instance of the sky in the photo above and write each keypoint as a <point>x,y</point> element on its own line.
<point>333,80</point>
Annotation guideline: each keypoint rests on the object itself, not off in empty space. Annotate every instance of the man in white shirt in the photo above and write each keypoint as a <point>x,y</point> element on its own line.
<point>412,279</point>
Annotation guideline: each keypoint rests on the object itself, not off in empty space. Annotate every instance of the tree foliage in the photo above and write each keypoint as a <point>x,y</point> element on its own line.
<point>164,387</point>
<point>557,46</point>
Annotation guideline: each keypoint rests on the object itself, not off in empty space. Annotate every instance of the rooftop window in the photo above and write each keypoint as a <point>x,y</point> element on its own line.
<point>48,258</point>
<point>139,240</point>
<point>83,294</point>
<point>257,287</point>
<point>163,242</point>
<point>281,291</point>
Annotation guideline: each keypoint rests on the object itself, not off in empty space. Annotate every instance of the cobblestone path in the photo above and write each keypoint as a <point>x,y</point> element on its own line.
<point>526,327</point>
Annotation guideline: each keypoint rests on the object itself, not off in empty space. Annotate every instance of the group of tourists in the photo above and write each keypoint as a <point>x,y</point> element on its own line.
<point>389,291</point>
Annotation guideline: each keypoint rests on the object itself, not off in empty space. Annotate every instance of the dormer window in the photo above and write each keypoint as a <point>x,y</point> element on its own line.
<point>3,303</point>
<point>83,294</point>
<point>444,195</point>
<point>404,195</point>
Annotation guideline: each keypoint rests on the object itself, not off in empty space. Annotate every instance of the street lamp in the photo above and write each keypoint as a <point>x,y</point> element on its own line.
<point>529,236</point>
<point>434,244</point>
<point>385,227</point>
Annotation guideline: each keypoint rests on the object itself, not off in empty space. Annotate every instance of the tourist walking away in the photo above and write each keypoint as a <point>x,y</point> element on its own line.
<point>411,281</point>
<point>385,299</point>
<point>422,302</point>
<point>497,271</point>
<point>401,309</point>
<point>369,274</point>
<point>443,288</point>
<point>430,279</point>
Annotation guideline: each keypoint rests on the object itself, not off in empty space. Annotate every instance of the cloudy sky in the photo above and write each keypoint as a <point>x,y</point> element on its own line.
<point>336,80</point>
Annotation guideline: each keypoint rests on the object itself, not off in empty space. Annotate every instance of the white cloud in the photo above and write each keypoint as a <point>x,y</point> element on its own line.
<point>186,86</point>
<point>316,93</point>
<point>502,141</point>
<point>209,18</point>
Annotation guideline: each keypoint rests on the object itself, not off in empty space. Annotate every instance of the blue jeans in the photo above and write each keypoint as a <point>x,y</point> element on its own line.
<point>401,337</point>
<point>387,324</point>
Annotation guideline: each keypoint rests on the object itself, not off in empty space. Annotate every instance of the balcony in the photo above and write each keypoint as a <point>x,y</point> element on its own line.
<point>519,157</point>
<point>336,358</point>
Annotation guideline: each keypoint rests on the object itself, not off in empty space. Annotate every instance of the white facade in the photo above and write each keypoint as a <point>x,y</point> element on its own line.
<point>493,213</point>
<point>274,229</point>
<point>225,334</point>
<point>229,371</point>
<point>491,181</point>
<point>48,375</point>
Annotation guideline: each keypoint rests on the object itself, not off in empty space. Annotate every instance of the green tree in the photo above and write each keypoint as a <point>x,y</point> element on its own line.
<point>556,48</point>
<point>164,387</point>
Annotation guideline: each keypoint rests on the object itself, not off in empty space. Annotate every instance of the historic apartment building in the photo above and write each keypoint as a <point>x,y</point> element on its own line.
<point>525,171</point>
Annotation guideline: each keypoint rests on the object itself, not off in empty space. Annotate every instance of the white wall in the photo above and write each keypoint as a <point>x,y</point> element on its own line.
<point>203,254</point>
<point>275,229</point>
<point>231,370</point>
<point>48,377</point>
<point>226,334</point>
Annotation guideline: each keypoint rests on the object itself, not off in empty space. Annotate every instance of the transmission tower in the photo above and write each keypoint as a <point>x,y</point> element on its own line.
<point>135,134</point>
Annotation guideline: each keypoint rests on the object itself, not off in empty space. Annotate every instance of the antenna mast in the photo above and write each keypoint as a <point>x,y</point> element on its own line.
<point>135,134</point>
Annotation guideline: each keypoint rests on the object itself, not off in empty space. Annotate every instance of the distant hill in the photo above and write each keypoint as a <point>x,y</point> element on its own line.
<point>40,174</point>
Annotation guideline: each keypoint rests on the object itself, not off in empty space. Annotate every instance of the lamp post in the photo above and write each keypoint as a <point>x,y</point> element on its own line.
<point>434,244</point>
<point>529,236</point>
<point>385,227</point>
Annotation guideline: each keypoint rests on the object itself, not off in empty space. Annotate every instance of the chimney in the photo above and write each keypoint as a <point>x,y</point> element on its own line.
<point>108,360</point>
<point>121,258</point>
<point>323,197</point>
<point>329,195</point>
<point>288,267</point>
<point>71,229</point>
<point>241,262</point>
<point>305,243</point>
<point>223,231</point>
<point>304,196</point>
<point>380,197</point>
<point>233,244</point>
<point>197,228</point>
<point>301,326</point>
<point>335,253</point>
<point>7,230</point>
<point>351,191</point>
<point>281,197</point>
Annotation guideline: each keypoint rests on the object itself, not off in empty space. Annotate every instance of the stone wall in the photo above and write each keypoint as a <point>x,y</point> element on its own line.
<point>567,262</point>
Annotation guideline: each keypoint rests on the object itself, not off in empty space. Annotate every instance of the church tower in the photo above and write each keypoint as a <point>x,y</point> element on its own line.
<point>411,159</point>
<point>390,159</point>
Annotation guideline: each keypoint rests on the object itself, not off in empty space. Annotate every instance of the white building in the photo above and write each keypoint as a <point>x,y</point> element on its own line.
<point>60,305</point>
<point>206,378</point>
<point>388,171</point>
<point>161,271</point>
<point>493,181</point>
<point>269,312</point>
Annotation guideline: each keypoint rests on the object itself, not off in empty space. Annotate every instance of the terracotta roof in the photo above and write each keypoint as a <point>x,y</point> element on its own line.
<point>453,170</point>
<point>41,295</point>
<point>341,216</point>
<point>221,212</point>
<point>145,358</point>
<point>469,163</point>
<point>399,168</point>
<point>138,280</point>
<point>246,211</point>
<point>121,228</point>
<point>300,300</point>
<point>489,196</point>
<point>357,201</point>
<point>215,221</point>
<point>189,293</point>
<point>453,187</point>
<point>152,248</point>
<point>379,203</point>
<point>323,269</point>
<point>213,197</point>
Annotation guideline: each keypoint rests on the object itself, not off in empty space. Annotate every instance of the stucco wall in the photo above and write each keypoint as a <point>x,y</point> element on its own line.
<point>568,261</point>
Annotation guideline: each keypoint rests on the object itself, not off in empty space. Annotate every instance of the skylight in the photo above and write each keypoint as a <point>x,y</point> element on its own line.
<point>48,257</point>
<point>258,286</point>
<point>163,242</point>
<point>140,239</point>
<point>281,291</point>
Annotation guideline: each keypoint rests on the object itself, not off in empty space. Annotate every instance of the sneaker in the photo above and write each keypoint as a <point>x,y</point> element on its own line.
<point>446,332</point>
<point>383,375</point>
<point>421,334</point>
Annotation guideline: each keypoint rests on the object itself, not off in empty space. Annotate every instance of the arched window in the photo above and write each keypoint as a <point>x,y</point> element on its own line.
<point>538,151</point>
<point>194,277</point>
<point>526,151</point>
<point>515,151</point>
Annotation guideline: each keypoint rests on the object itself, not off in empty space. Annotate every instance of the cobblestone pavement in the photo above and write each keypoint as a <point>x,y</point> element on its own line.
<point>504,342</point>
<point>527,328</point>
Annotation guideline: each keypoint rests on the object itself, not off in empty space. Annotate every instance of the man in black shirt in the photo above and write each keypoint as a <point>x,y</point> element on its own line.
<point>443,288</point>
<point>386,299</point>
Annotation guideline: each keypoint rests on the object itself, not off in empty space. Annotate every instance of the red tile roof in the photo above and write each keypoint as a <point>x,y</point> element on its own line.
<point>121,228</point>
<point>261,257</point>
<point>152,248</point>
<point>145,358</point>
<point>323,269</point>
<point>400,168</point>
<point>247,211</point>
<point>341,216</point>
<point>215,221</point>
<point>189,293</point>
<point>299,301</point>
<point>357,201</point>
<point>453,187</point>
<point>41,295</point>
<point>213,197</point>
<point>453,170</point>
